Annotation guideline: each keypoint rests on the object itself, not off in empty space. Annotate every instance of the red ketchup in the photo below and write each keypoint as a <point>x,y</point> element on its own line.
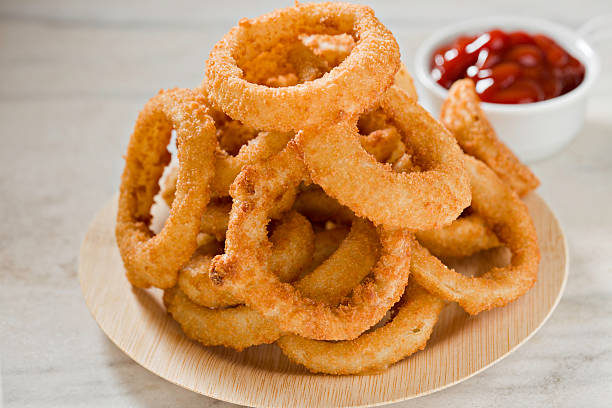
<point>508,67</point>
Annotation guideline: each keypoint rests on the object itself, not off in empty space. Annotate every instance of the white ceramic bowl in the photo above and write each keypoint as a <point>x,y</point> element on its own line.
<point>532,130</point>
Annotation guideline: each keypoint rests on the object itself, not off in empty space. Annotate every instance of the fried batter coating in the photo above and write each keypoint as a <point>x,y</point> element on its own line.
<point>372,64</point>
<point>292,250</point>
<point>240,327</point>
<point>464,237</point>
<point>418,200</point>
<point>462,115</point>
<point>155,259</point>
<point>408,331</point>
<point>242,269</point>
<point>507,216</point>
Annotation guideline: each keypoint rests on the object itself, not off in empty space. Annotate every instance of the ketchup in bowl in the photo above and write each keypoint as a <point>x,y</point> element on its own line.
<point>508,67</point>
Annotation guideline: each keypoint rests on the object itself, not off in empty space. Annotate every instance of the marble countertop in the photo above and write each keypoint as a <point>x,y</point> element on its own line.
<point>74,76</point>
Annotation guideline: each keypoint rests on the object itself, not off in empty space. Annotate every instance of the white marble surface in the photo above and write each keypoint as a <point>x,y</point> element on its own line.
<point>73,77</point>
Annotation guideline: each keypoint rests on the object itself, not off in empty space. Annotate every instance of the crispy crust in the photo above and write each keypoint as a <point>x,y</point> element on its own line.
<point>227,167</point>
<point>345,268</point>
<point>464,237</point>
<point>372,63</point>
<point>406,333</point>
<point>292,249</point>
<point>242,269</point>
<point>381,143</point>
<point>507,216</point>
<point>236,327</point>
<point>462,115</point>
<point>240,327</point>
<point>418,200</point>
<point>155,259</point>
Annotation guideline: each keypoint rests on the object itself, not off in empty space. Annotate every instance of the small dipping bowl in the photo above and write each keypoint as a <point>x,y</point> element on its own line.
<point>532,130</point>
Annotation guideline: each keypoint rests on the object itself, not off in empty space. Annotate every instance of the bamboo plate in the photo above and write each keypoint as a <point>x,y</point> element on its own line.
<point>460,347</point>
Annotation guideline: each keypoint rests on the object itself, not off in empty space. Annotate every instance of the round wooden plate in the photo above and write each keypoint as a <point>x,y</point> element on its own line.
<point>461,346</point>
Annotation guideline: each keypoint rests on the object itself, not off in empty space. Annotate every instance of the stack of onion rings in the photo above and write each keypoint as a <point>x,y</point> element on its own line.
<point>313,193</point>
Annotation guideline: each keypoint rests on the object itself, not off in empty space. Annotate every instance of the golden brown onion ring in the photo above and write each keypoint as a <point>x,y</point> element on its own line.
<point>465,236</point>
<point>462,115</point>
<point>372,64</point>
<point>418,200</point>
<point>241,326</point>
<point>236,327</point>
<point>155,259</point>
<point>507,216</point>
<point>292,250</point>
<point>407,332</point>
<point>243,267</point>
<point>345,268</point>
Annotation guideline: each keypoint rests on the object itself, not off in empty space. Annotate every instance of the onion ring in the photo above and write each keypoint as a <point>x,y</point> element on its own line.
<point>407,332</point>
<point>462,115</point>
<point>418,201</point>
<point>241,326</point>
<point>243,267</point>
<point>236,327</point>
<point>372,64</point>
<point>292,250</point>
<point>465,236</point>
<point>507,216</point>
<point>155,259</point>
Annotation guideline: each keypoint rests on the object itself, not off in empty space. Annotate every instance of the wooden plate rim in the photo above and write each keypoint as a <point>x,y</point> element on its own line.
<point>532,196</point>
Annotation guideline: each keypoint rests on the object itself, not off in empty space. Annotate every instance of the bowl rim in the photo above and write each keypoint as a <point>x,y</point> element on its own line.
<point>581,50</point>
